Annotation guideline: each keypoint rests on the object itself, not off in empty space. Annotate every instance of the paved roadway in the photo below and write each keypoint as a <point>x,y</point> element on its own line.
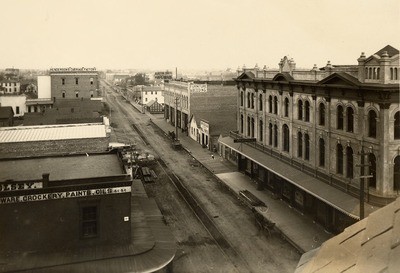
<point>248,250</point>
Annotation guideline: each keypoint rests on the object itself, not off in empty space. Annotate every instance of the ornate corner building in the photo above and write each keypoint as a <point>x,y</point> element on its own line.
<point>338,125</point>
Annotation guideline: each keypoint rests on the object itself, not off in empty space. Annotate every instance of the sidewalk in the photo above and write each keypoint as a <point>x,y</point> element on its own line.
<point>298,229</point>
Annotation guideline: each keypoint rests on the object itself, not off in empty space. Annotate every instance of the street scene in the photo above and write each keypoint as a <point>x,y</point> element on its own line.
<point>213,136</point>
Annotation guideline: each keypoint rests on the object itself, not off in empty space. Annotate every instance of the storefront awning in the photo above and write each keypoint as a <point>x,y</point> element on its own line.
<point>328,194</point>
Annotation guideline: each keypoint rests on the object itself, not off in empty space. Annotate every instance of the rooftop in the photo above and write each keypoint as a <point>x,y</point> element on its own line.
<point>52,132</point>
<point>370,245</point>
<point>97,165</point>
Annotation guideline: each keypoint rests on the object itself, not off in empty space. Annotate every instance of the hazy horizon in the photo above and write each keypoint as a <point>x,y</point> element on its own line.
<point>191,35</point>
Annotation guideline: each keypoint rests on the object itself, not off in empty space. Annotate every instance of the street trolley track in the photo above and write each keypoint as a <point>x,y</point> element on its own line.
<point>198,210</point>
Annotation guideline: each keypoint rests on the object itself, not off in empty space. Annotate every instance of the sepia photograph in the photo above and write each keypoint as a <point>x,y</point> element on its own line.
<point>199,136</point>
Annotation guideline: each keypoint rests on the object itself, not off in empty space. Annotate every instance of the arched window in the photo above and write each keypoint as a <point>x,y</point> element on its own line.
<point>275,105</point>
<point>270,134</point>
<point>372,123</point>
<point>322,114</point>
<point>396,75</point>
<point>252,128</point>
<point>307,109</point>
<point>397,125</point>
<point>391,73</point>
<point>350,119</point>
<point>260,130</point>
<point>260,102</point>
<point>366,72</point>
<point>270,104</point>
<point>275,135</point>
<point>396,174</point>
<point>63,95</point>
<point>321,145</point>
<point>252,100</point>
<point>339,117</point>
<point>300,109</point>
<point>374,73</point>
<point>241,98</point>
<point>349,164</point>
<point>378,71</point>
<point>299,144</point>
<point>248,100</point>
<point>248,126</point>
<point>372,170</point>
<point>339,159</point>
<point>286,138</point>
<point>307,147</point>
<point>286,107</point>
<point>241,124</point>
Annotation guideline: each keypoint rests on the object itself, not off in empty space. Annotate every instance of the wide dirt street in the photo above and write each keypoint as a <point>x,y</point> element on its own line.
<point>243,248</point>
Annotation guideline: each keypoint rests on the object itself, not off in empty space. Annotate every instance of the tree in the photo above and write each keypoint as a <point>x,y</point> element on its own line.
<point>140,79</point>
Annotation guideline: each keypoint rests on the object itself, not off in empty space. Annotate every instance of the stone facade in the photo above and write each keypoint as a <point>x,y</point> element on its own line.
<point>330,120</point>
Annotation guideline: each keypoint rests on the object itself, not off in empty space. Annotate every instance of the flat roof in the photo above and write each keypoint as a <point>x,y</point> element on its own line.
<point>63,167</point>
<point>52,132</point>
<point>330,195</point>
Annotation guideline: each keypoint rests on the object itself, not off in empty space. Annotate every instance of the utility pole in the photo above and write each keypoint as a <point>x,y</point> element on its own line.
<point>176,117</point>
<point>362,181</point>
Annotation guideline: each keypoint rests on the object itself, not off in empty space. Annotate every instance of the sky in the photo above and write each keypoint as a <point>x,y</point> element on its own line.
<point>188,34</point>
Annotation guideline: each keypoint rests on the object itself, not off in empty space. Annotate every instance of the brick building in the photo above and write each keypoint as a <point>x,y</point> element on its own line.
<point>74,83</point>
<point>313,128</point>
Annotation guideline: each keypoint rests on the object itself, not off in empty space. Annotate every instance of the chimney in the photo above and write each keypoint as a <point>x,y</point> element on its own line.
<point>45,179</point>
<point>361,67</point>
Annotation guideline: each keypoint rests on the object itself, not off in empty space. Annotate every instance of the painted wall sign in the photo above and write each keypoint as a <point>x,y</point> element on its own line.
<point>16,186</point>
<point>197,88</point>
<point>62,195</point>
<point>204,127</point>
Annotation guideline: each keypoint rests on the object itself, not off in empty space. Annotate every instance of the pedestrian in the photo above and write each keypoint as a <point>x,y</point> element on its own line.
<point>212,156</point>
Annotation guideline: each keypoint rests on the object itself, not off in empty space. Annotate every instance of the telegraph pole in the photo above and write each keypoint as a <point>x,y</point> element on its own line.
<point>362,181</point>
<point>176,117</point>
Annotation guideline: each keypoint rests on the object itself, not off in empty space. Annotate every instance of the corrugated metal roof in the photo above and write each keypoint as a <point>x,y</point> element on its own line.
<point>51,132</point>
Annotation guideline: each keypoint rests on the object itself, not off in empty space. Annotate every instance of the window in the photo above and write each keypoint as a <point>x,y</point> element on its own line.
<point>260,102</point>
<point>155,92</point>
<point>63,94</point>
<point>17,110</point>
<point>248,126</point>
<point>76,80</point>
<point>372,123</point>
<point>299,144</point>
<point>252,100</point>
<point>252,127</point>
<point>89,222</point>
<point>260,130</point>
<point>286,107</point>
<point>145,92</point>
<point>307,106</point>
<point>151,93</point>
<point>275,135</point>
<point>63,81</point>
<point>241,124</point>
<point>350,119</point>
<point>270,134</point>
<point>300,110</point>
<point>241,98</point>
<point>91,94</point>
<point>77,94</point>
<point>349,164</point>
<point>91,81</point>
<point>372,170</point>
<point>397,125</point>
<point>275,105</point>
<point>286,138</point>
<point>270,104</point>
<point>339,118</point>
<point>322,114</point>
<point>396,174</point>
<point>307,147</point>
<point>321,152</point>
<point>145,99</point>
<point>339,159</point>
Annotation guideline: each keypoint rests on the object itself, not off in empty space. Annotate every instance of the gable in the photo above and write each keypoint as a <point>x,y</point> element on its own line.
<point>246,75</point>
<point>340,78</point>
<point>283,77</point>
